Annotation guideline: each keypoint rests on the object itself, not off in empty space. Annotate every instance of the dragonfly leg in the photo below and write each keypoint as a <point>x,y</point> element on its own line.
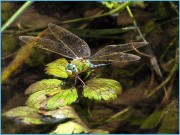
<point>141,53</point>
<point>63,82</point>
<point>75,81</point>
<point>81,80</point>
<point>66,83</point>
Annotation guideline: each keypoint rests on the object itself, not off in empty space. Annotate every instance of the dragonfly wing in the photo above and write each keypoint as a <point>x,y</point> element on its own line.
<point>73,42</point>
<point>119,48</point>
<point>119,56</point>
<point>50,45</point>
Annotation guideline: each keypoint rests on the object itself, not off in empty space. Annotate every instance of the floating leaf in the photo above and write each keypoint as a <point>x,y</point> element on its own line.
<point>46,84</point>
<point>39,99</point>
<point>57,68</point>
<point>49,94</point>
<point>62,98</point>
<point>25,115</point>
<point>58,115</point>
<point>102,89</point>
<point>70,127</point>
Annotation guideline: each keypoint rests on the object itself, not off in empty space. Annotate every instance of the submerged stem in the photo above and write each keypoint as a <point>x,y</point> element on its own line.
<point>16,15</point>
<point>119,8</point>
<point>135,23</point>
<point>118,114</point>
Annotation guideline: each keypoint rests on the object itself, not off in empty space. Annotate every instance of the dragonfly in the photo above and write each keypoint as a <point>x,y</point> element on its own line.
<point>71,46</point>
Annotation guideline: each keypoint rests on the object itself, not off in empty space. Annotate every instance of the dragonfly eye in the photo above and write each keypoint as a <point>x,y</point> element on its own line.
<point>74,68</point>
<point>71,69</point>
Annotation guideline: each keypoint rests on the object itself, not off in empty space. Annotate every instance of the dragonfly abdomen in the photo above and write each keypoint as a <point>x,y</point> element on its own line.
<point>98,65</point>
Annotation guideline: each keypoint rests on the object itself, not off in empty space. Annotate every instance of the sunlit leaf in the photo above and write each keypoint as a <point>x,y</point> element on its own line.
<point>39,99</point>
<point>41,91</point>
<point>98,131</point>
<point>50,94</point>
<point>170,122</point>
<point>24,115</point>
<point>57,68</point>
<point>70,127</point>
<point>111,5</point>
<point>62,98</point>
<point>102,89</point>
<point>46,84</point>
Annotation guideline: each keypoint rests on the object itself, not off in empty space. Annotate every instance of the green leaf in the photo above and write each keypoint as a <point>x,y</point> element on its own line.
<point>170,122</point>
<point>70,127</point>
<point>46,84</point>
<point>102,89</point>
<point>62,98</point>
<point>50,94</point>
<point>155,118</point>
<point>57,68</point>
<point>98,131</point>
<point>24,114</point>
<point>110,5</point>
<point>39,99</point>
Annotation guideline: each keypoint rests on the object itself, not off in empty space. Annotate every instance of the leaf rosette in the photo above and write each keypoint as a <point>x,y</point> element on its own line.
<point>49,94</point>
<point>102,89</point>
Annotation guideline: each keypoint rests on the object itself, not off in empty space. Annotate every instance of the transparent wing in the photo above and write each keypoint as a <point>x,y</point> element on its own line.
<point>78,46</point>
<point>50,45</point>
<point>119,56</point>
<point>118,48</point>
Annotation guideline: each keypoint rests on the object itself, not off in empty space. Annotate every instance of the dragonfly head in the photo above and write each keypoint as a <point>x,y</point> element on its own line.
<point>71,69</point>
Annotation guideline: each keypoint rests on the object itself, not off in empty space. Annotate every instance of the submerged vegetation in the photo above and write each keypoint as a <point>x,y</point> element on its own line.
<point>111,91</point>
